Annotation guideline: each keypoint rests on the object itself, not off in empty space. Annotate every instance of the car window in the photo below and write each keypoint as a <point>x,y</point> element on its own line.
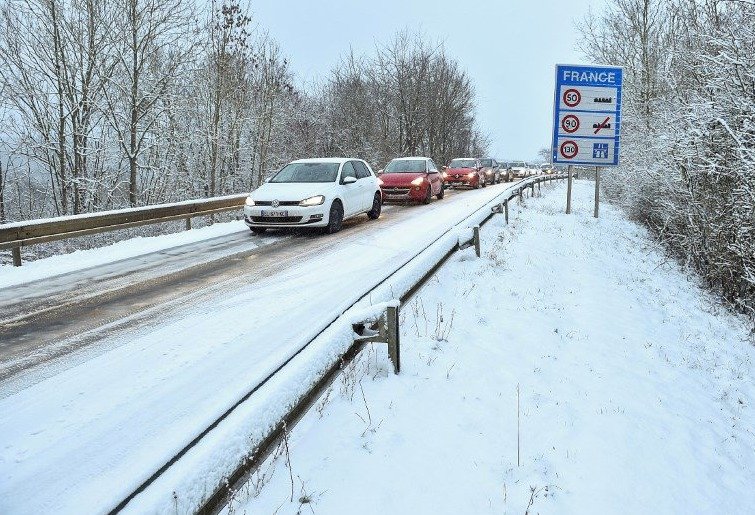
<point>406,165</point>
<point>462,163</point>
<point>362,170</point>
<point>433,168</point>
<point>486,162</point>
<point>348,171</point>
<point>495,163</point>
<point>307,172</point>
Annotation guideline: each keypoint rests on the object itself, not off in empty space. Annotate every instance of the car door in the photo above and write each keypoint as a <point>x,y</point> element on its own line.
<point>433,175</point>
<point>365,185</point>
<point>352,195</point>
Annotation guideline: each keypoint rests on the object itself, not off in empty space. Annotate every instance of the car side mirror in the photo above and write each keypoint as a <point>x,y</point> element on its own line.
<point>349,180</point>
<point>380,172</point>
<point>444,167</point>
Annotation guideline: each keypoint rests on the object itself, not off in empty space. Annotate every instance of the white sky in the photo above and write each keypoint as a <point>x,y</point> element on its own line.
<point>509,48</point>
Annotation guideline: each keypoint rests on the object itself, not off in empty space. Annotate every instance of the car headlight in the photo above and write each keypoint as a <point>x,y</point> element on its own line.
<point>380,181</point>
<point>445,175</point>
<point>418,181</point>
<point>312,201</point>
<point>470,174</point>
<point>249,201</point>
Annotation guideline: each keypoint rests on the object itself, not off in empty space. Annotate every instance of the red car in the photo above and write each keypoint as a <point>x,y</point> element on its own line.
<point>411,179</point>
<point>465,171</point>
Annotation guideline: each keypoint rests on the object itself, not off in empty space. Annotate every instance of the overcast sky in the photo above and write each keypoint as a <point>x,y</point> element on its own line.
<point>508,47</point>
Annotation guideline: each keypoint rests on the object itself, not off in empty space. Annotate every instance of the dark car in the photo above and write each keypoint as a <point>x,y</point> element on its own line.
<point>490,170</point>
<point>504,169</point>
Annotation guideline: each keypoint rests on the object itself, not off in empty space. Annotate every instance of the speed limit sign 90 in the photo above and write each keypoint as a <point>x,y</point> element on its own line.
<point>569,149</point>
<point>570,123</point>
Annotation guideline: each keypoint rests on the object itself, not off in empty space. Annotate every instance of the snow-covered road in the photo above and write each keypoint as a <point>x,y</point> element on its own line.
<point>78,438</point>
<point>636,390</point>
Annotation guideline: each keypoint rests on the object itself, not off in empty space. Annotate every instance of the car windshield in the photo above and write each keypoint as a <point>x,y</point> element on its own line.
<point>406,165</point>
<point>462,163</point>
<point>518,164</point>
<point>307,172</point>
<point>486,162</point>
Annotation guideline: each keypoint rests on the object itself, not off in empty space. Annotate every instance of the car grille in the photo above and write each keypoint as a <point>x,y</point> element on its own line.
<point>396,191</point>
<point>277,219</point>
<point>281,203</point>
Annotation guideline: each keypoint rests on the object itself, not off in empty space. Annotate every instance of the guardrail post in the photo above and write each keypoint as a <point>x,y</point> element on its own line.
<point>476,230</point>
<point>506,210</point>
<point>539,190</point>
<point>520,195</point>
<point>532,186</point>
<point>16,251</point>
<point>188,223</point>
<point>394,338</point>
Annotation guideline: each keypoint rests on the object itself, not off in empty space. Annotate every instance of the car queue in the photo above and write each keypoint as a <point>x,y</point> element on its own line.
<point>322,193</point>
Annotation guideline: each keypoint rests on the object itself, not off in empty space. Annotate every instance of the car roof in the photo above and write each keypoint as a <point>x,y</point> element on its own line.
<point>410,158</point>
<point>338,160</point>
<point>472,158</point>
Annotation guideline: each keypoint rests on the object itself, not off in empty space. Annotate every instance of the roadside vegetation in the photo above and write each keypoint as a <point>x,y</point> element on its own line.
<point>688,130</point>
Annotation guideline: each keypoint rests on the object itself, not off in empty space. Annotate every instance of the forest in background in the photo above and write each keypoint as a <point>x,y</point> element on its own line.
<point>115,103</point>
<point>688,130</point>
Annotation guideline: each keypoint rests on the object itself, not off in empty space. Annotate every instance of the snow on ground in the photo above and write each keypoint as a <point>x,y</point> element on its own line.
<point>635,389</point>
<point>81,259</point>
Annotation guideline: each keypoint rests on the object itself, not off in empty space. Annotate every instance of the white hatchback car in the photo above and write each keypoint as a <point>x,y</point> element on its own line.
<point>314,193</point>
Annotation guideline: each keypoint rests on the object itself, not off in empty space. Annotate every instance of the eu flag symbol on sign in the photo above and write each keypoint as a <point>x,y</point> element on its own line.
<point>600,151</point>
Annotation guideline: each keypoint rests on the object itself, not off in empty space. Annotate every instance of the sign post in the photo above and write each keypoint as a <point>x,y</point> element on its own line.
<point>597,191</point>
<point>568,192</point>
<point>587,119</point>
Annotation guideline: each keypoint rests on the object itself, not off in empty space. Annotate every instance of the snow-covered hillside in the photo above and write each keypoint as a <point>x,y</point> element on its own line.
<point>635,389</point>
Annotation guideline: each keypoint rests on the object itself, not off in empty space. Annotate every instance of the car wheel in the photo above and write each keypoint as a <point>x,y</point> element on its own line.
<point>429,195</point>
<point>377,205</point>
<point>335,218</point>
<point>441,193</point>
<point>484,182</point>
<point>258,230</point>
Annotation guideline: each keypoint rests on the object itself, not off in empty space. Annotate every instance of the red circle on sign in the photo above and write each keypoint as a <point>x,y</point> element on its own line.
<point>572,97</point>
<point>570,123</point>
<point>569,149</point>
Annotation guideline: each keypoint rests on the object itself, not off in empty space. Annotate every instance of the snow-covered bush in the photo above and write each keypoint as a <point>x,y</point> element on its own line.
<point>688,164</point>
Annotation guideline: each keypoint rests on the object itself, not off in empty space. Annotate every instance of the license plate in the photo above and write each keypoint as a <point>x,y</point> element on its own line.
<point>274,214</point>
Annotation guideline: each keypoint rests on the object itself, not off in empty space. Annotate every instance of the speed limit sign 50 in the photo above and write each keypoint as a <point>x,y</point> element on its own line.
<point>572,97</point>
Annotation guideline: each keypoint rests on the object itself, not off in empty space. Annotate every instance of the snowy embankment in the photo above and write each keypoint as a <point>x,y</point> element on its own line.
<point>635,389</point>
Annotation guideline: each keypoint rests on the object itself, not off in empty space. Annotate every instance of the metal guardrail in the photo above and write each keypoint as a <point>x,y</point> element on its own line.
<point>220,494</point>
<point>262,450</point>
<point>22,234</point>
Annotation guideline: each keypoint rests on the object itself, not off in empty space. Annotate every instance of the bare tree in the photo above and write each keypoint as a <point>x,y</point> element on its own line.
<point>153,40</point>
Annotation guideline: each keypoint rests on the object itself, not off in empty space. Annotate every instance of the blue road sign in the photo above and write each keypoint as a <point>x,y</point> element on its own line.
<point>587,115</point>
